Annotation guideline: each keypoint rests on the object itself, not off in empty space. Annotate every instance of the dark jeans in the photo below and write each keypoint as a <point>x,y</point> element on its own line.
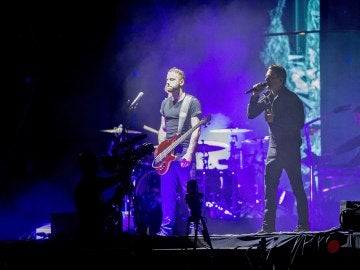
<point>173,190</point>
<point>288,159</point>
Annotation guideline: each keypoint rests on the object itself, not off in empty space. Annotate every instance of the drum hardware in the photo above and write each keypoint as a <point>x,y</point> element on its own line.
<point>225,134</point>
<point>226,196</point>
<point>225,193</point>
<point>209,152</point>
<point>142,203</point>
<point>234,152</point>
<point>247,162</point>
<point>119,130</point>
<point>123,155</point>
<point>205,147</point>
<point>147,192</point>
<point>230,130</point>
<point>205,160</point>
<point>123,141</point>
<point>220,192</point>
<point>223,161</point>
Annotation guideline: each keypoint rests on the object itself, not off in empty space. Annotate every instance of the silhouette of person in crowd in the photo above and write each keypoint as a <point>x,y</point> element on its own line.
<point>97,217</point>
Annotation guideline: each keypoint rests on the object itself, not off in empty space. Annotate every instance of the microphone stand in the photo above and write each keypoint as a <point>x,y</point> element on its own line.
<point>309,155</point>
<point>118,147</point>
<point>138,218</point>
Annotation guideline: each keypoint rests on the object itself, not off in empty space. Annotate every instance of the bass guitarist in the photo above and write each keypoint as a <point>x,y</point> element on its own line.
<point>180,112</point>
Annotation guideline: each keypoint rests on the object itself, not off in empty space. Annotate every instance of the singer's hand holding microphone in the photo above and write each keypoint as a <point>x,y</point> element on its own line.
<point>257,88</point>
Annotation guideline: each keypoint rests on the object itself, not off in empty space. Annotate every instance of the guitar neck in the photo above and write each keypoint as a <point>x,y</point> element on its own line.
<point>182,138</point>
<point>179,140</point>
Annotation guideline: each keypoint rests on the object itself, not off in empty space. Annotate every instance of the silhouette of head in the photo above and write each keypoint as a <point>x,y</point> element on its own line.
<point>88,162</point>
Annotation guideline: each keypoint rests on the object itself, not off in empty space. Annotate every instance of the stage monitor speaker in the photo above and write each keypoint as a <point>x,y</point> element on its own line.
<point>350,215</point>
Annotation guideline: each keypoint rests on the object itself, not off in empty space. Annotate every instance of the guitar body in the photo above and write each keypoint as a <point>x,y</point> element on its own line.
<point>164,165</point>
<point>164,153</point>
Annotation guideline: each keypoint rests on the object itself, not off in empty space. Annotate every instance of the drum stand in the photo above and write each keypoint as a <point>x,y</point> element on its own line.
<point>205,161</point>
<point>234,165</point>
<point>133,203</point>
<point>132,208</point>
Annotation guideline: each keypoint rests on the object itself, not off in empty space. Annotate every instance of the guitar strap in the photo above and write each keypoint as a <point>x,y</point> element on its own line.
<point>183,112</point>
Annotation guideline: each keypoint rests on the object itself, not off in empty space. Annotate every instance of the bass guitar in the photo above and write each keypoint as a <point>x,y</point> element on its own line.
<point>164,153</point>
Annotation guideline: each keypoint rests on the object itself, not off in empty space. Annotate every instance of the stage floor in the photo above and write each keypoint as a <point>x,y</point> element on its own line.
<point>283,250</point>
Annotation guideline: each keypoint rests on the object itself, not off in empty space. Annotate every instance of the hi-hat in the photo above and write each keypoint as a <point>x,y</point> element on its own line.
<point>208,146</point>
<point>230,130</point>
<point>120,130</point>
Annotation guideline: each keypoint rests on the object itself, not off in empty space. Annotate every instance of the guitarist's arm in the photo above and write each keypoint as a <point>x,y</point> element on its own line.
<point>187,158</point>
<point>162,130</point>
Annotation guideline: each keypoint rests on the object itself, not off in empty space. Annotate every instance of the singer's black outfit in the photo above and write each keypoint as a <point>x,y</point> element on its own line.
<point>283,152</point>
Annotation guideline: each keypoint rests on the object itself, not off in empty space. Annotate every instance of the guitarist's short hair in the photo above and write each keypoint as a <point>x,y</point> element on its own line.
<point>178,71</point>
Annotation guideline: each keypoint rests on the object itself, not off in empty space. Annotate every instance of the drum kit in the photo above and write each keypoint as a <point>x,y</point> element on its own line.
<point>141,205</point>
<point>229,173</point>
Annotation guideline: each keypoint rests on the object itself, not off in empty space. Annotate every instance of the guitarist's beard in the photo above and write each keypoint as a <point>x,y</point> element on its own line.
<point>173,90</point>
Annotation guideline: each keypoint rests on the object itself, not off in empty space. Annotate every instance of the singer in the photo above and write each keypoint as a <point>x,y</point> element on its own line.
<point>284,115</point>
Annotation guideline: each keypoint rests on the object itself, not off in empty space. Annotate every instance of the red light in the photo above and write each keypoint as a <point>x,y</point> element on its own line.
<point>333,246</point>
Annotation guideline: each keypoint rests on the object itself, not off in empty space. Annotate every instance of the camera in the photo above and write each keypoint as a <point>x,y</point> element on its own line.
<point>194,199</point>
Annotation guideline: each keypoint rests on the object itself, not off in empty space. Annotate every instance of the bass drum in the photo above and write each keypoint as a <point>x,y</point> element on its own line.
<point>148,215</point>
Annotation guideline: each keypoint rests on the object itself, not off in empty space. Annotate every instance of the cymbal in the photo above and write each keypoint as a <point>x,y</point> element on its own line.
<point>255,141</point>
<point>230,130</point>
<point>208,146</point>
<point>251,141</point>
<point>120,130</point>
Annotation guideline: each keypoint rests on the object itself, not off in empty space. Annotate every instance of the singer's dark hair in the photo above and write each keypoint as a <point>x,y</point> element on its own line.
<point>278,70</point>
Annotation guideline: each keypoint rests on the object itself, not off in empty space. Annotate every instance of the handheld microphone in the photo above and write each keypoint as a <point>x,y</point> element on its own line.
<point>262,84</point>
<point>136,100</point>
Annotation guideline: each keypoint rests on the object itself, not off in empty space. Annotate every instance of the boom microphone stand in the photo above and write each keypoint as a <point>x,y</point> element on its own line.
<point>123,153</point>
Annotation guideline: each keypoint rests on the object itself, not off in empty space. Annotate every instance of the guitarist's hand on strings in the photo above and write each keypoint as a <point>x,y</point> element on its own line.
<point>185,161</point>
